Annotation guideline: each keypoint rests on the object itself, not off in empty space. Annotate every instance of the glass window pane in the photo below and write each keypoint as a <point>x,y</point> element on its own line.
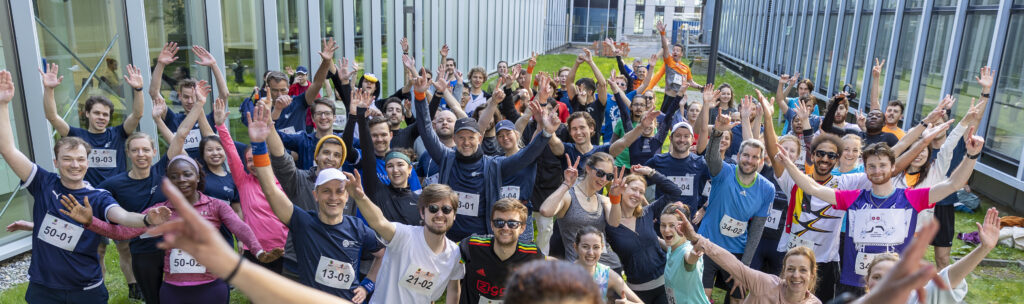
<point>289,27</point>
<point>815,47</point>
<point>826,65</point>
<point>1004,136</point>
<point>76,35</point>
<point>20,205</point>
<point>904,64</point>
<point>844,47</point>
<point>241,50</point>
<point>974,50</point>
<point>939,3</point>
<point>881,51</point>
<point>174,21</point>
<point>638,22</point>
<point>934,62</point>
<point>984,2</point>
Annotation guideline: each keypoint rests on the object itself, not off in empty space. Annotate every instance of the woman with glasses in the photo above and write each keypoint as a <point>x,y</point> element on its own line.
<point>636,240</point>
<point>578,205</point>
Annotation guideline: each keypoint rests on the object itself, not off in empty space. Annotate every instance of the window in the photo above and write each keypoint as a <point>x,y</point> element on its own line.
<point>176,21</point>
<point>638,22</point>
<point>974,50</point>
<point>829,45</point>
<point>934,63</point>
<point>904,64</point>
<point>881,51</point>
<point>845,37</point>
<point>18,204</point>
<point>815,41</point>
<point>1004,137</point>
<point>290,32</point>
<point>241,50</point>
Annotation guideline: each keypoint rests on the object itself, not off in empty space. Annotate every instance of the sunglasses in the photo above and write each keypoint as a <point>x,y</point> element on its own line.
<point>503,223</point>
<point>445,209</point>
<point>601,174</point>
<point>831,155</point>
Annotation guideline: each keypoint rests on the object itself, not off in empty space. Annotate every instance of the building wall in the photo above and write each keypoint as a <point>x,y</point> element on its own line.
<point>92,41</point>
<point>931,47</point>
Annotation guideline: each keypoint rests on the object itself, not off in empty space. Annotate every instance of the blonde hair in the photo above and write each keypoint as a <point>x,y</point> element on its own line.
<point>629,179</point>
<point>809,254</point>
<point>795,140</point>
<point>884,257</point>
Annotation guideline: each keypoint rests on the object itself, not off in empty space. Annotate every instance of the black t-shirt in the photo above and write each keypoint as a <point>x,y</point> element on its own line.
<point>596,111</point>
<point>885,137</point>
<point>485,272</point>
<point>405,137</point>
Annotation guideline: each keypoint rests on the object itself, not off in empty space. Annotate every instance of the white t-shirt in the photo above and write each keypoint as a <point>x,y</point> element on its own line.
<point>410,272</point>
<point>817,225</point>
<point>939,296</point>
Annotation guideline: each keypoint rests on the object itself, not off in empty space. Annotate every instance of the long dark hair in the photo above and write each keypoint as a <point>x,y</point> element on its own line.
<point>202,149</point>
<point>922,173</point>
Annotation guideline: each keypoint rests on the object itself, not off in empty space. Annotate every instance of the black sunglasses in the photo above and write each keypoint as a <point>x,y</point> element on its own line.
<point>602,174</point>
<point>504,223</point>
<point>831,155</point>
<point>446,209</point>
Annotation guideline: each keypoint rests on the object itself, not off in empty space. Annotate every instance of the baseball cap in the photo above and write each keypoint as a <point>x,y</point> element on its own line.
<point>505,124</point>
<point>467,123</point>
<point>329,174</point>
<point>682,124</point>
<point>301,70</point>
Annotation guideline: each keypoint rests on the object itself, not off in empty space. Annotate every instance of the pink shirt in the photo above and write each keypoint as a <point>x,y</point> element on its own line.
<point>761,287</point>
<point>918,198</point>
<point>216,211</point>
<point>255,208</point>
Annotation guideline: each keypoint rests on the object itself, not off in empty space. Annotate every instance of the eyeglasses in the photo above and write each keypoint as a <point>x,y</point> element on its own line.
<point>445,209</point>
<point>831,155</point>
<point>601,174</point>
<point>322,114</point>
<point>504,223</point>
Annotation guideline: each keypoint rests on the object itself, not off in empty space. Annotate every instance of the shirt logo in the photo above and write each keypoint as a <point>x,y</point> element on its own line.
<point>481,272</point>
<point>347,243</point>
<point>474,173</point>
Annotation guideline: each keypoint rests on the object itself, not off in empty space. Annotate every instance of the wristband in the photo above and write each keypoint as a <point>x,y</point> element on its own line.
<point>138,89</point>
<point>985,95</point>
<point>145,220</point>
<point>529,70</point>
<point>662,33</point>
<point>367,284</point>
<point>230,276</point>
<point>261,160</point>
<point>420,95</point>
<point>975,156</point>
<point>615,199</point>
<point>259,148</point>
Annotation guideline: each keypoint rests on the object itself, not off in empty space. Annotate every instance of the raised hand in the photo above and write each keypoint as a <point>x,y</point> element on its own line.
<point>724,123</point>
<point>408,63</point>
<point>497,97</point>
<point>974,113</point>
<point>652,61</point>
<point>938,113</point>
<point>354,185</point>
<point>661,27</point>
<point>282,102</point>
<point>444,51</point>
<point>260,124</point>
<point>205,58</point>
<point>270,256</point>
<point>986,78</point>
<point>220,111</point>
<point>587,55</point>
<point>327,48</point>
<point>746,108</point>
<point>533,60</point>
<point>288,70</point>
<point>6,88</point>
<point>784,79</point>
<point>974,142</point>
<point>650,118</point>
<point>405,45</point>
<point>458,76</point>
<point>930,133</point>
<point>579,59</point>
<point>684,228</point>
<point>344,70</point>
<point>767,105</point>
<point>202,91</point>
<point>133,77</point>
<point>710,95</point>
<point>783,156</point>
<point>793,80</point>
<point>51,78</point>
<point>570,174</point>
<point>544,90</point>
<point>989,231</point>
<point>421,84</point>
<point>74,210</point>
<point>167,53</point>
<point>159,108</point>
<point>876,71</point>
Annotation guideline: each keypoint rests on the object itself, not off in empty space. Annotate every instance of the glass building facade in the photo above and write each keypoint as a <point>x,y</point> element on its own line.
<point>931,47</point>
<point>93,40</point>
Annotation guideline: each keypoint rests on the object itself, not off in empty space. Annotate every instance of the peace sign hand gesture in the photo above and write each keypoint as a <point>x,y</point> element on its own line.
<point>619,182</point>
<point>570,175</point>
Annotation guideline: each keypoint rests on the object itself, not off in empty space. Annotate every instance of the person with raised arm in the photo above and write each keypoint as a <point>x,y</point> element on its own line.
<point>301,141</point>
<point>882,218</point>
<point>461,167</point>
<point>893,112</point>
<point>328,244</point>
<point>804,88</point>
<point>187,91</point>
<point>58,242</point>
<point>587,95</point>
<point>738,202</point>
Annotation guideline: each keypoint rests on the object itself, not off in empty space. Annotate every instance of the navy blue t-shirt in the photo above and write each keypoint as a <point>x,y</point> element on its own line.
<point>53,266</point>
<point>135,195</point>
<point>303,144</point>
<point>107,157</point>
<point>347,242</point>
<point>428,168</point>
<point>220,187</point>
<point>293,117</point>
<point>573,153</point>
<point>520,185</point>
<point>173,120</point>
<point>689,174</point>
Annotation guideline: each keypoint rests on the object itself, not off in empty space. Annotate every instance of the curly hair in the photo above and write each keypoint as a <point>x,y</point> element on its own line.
<point>544,281</point>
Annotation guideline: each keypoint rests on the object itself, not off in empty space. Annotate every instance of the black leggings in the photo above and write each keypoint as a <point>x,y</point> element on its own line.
<point>149,273</point>
<point>653,296</point>
<point>276,266</point>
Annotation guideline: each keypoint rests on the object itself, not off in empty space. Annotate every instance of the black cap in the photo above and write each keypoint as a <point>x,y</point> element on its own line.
<point>467,123</point>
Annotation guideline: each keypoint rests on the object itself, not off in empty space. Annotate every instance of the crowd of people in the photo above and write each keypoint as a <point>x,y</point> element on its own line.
<point>541,188</point>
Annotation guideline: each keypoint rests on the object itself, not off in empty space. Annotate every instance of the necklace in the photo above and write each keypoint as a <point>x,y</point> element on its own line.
<point>588,197</point>
<point>876,204</point>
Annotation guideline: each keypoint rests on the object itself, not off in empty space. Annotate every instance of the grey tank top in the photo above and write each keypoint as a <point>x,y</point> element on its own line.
<point>575,219</point>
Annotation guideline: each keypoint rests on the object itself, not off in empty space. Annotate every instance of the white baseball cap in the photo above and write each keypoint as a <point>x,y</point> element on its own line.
<point>329,174</point>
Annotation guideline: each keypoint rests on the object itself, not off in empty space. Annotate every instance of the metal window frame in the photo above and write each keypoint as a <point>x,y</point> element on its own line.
<point>995,59</point>
<point>834,66</point>
<point>923,32</point>
<point>894,40</point>
<point>953,55</point>
<point>827,16</point>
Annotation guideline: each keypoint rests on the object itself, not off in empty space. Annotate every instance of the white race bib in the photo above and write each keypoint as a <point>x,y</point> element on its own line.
<point>103,158</point>
<point>510,192</point>
<point>731,227</point>
<point>484,300</point>
<point>429,180</point>
<point>684,183</point>
<point>796,240</point>
<point>420,280</point>
<point>880,227</point>
<point>863,261</point>
<point>288,130</point>
<point>707,190</point>
<point>334,273</point>
<point>677,79</point>
<point>773,220</point>
<point>192,141</point>
<point>182,262</point>
<point>60,233</point>
<point>469,204</point>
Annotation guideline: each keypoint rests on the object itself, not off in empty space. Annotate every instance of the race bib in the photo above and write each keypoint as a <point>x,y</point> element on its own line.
<point>419,280</point>
<point>707,190</point>
<point>510,192</point>
<point>863,261</point>
<point>731,227</point>
<point>880,227</point>
<point>684,183</point>
<point>469,204</point>
<point>484,300</point>
<point>796,240</point>
<point>288,130</point>
<point>335,273</point>
<point>677,79</point>
<point>339,121</point>
<point>192,141</point>
<point>182,262</point>
<point>430,180</point>
<point>103,158</point>
<point>773,220</point>
<point>60,233</point>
